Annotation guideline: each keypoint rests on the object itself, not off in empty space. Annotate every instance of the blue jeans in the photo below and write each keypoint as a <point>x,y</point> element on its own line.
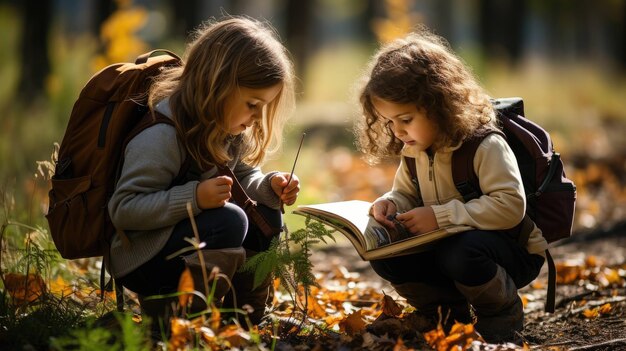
<point>218,228</point>
<point>469,258</point>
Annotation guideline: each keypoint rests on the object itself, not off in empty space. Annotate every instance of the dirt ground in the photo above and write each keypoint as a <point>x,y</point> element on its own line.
<point>566,329</point>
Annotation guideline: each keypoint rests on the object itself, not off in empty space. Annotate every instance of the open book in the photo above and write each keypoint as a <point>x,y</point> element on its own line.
<point>371,239</point>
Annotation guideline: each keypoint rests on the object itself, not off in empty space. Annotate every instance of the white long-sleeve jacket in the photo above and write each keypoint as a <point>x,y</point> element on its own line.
<point>501,207</point>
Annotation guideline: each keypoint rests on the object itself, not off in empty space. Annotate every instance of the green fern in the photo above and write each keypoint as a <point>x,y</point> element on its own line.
<point>288,258</point>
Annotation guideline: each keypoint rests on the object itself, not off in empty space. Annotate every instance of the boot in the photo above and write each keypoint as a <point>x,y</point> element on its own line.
<point>428,299</point>
<point>227,260</point>
<point>157,312</point>
<point>245,294</point>
<point>499,310</point>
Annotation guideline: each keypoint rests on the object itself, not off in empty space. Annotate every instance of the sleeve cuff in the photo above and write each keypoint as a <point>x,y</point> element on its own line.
<point>266,193</point>
<point>180,195</point>
<point>442,215</point>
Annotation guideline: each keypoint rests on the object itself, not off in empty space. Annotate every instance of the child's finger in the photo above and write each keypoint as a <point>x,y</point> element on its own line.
<point>403,216</point>
<point>221,180</point>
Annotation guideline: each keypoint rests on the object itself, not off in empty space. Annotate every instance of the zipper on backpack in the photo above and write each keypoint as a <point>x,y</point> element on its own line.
<point>104,126</point>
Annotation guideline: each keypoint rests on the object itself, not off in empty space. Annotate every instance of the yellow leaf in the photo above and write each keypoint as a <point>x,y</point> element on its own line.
<point>605,309</point>
<point>185,284</point>
<point>60,287</point>
<point>215,317</point>
<point>591,313</point>
<point>180,333</point>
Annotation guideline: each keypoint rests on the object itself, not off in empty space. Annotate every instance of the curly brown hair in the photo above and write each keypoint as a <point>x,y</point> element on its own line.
<point>421,69</point>
<point>224,55</point>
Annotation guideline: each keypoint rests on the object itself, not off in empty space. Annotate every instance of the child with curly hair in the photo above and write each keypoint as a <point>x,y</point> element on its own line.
<point>419,100</point>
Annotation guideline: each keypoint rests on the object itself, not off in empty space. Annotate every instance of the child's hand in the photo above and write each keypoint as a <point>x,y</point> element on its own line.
<point>287,195</point>
<point>381,209</point>
<point>214,192</point>
<point>419,220</point>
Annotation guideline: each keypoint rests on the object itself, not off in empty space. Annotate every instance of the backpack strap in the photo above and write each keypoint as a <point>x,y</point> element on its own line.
<point>551,289</point>
<point>410,164</point>
<point>143,58</point>
<point>463,174</point>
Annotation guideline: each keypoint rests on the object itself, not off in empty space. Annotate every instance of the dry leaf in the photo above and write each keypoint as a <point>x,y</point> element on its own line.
<point>24,289</point>
<point>185,284</point>
<point>180,333</point>
<point>460,337</point>
<point>215,317</point>
<point>235,336</point>
<point>60,287</point>
<point>353,324</point>
<point>593,313</point>
<point>605,309</point>
<point>390,307</point>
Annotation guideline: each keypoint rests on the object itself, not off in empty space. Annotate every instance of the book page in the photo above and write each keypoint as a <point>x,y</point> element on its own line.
<point>354,215</point>
<point>377,235</point>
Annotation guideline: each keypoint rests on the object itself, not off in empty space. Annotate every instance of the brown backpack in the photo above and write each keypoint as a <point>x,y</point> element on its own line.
<point>110,110</point>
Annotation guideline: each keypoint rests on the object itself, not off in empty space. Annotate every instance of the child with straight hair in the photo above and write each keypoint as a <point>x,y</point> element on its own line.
<point>228,102</point>
<point>419,100</point>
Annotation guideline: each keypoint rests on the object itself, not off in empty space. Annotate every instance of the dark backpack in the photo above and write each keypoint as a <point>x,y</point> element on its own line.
<point>110,110</point>
<point>550,195</point>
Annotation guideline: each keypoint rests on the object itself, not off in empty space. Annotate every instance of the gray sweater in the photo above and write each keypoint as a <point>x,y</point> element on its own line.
<point>147,209</point>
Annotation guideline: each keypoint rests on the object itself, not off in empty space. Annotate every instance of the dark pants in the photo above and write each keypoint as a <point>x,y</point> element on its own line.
<point>469,258</point>
<point>218,228</point>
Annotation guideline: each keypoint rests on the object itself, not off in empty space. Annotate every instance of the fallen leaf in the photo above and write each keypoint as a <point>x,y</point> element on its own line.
<point>181,335</point>
<point>605,309</point>
<point>24,289</point>
<point>185,284</point>
<point>353,324</point>
<point>215,317</point>
<point>390,307</point>
<point>590,313</point>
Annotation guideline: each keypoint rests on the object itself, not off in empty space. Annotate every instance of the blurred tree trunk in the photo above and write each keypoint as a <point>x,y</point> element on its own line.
<point>35,63</point>
<point>374,9</point>
<point>102,10</point>
<point>187,16</point>
<point>298,31</point>
<point>501,28</point>
<point>443,11</point>
<point>621,51</point>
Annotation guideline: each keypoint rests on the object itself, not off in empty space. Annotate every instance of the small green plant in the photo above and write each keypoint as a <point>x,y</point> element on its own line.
<point>126,335</point>
<point>288,258</point>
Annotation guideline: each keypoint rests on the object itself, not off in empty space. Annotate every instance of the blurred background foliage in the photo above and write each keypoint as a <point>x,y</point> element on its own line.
<point>567,58</point>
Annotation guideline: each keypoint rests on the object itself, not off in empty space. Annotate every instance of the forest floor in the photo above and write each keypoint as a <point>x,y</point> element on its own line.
<point>590,302</point>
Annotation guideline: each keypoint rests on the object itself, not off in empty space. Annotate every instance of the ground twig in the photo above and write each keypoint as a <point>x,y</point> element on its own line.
<point>601,344</point>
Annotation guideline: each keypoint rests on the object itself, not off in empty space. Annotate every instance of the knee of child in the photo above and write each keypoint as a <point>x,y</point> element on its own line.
<point>235,224</point>
<point>459,261</point>
<point>223,227</point>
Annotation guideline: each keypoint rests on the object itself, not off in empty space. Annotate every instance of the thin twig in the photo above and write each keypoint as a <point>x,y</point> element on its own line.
<point>564,301</point>
<point>601,344</point>
<point>200,254</point>
<point>588,305</point>
<point>293,168</point>
<point>597,303</point>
